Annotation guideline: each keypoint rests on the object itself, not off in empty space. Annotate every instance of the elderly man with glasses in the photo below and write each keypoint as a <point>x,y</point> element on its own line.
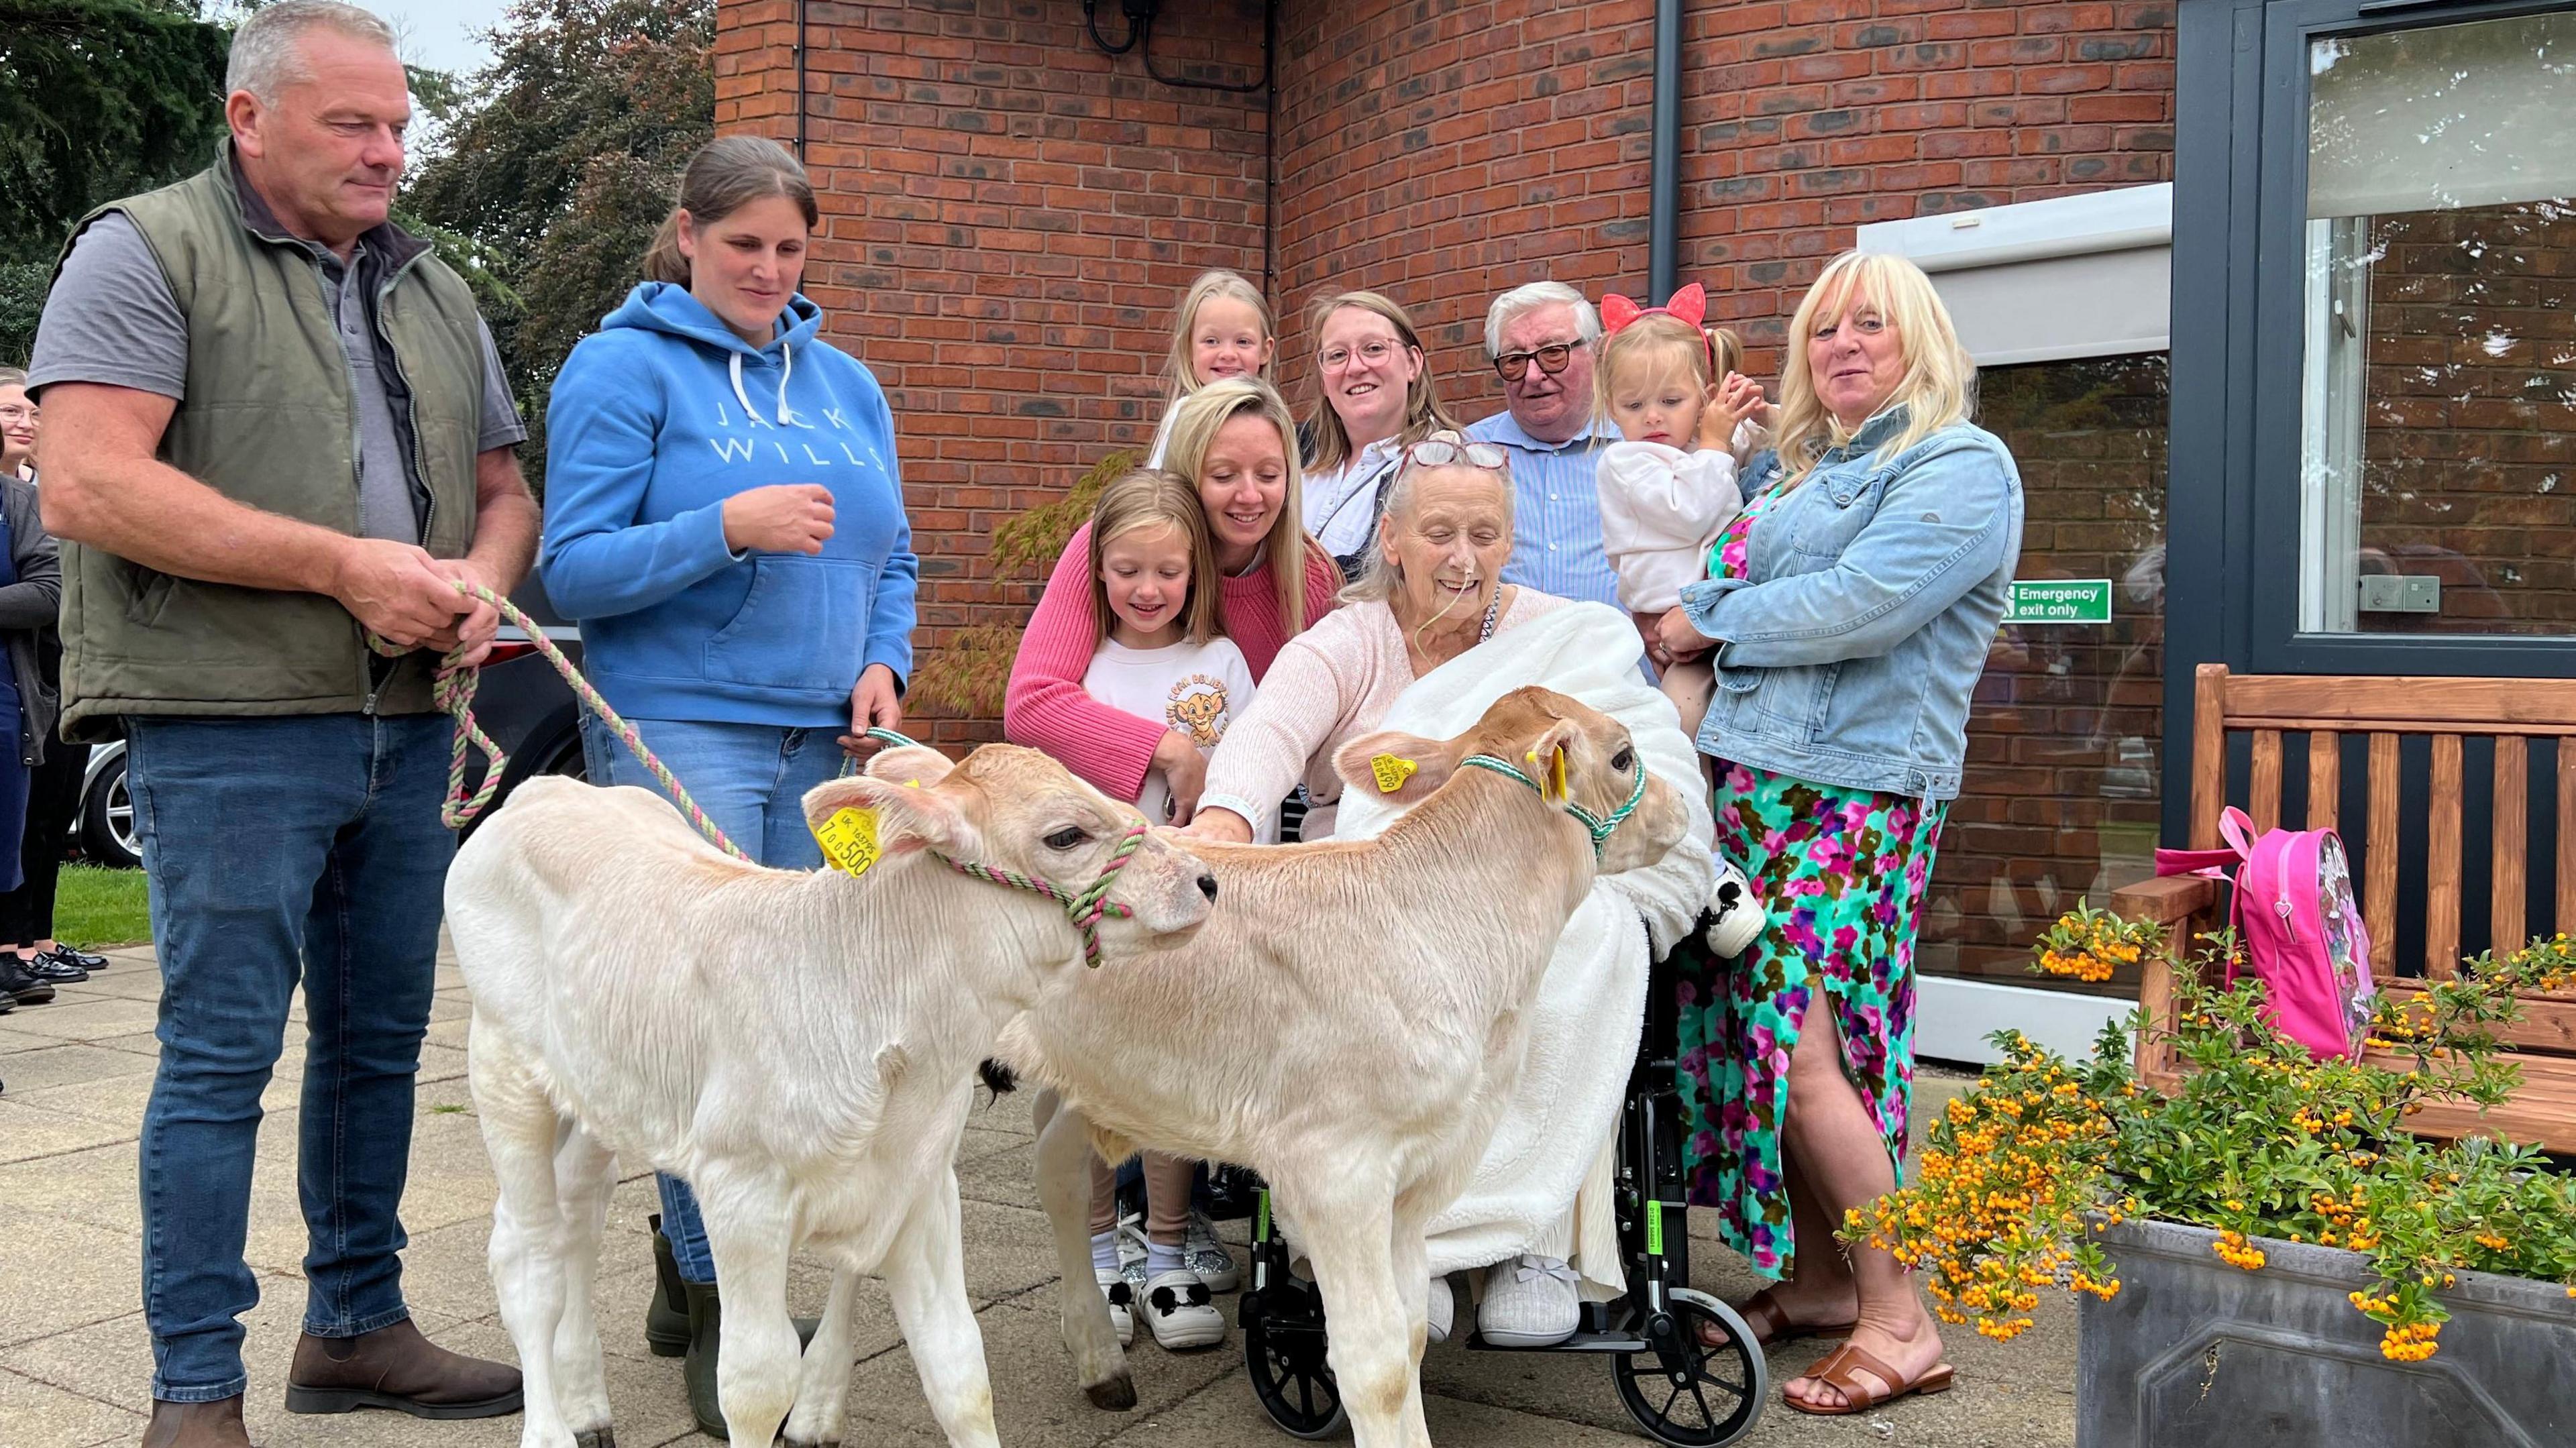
<point>1541,338</point>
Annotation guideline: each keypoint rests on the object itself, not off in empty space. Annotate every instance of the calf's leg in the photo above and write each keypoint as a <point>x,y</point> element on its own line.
<point>926,1268</point>
<point>527,1248</point>
<point>823,1378</point>
<point>1064,1188</point>
<point>750,1233</point>
<point>585,1174</point>
<point>1348,1219</point>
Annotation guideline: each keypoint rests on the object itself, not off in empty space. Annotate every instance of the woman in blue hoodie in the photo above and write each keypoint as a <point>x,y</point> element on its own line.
<point>724,520</point>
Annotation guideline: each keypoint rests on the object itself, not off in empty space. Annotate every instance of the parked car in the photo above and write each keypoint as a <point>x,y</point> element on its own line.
<point>522,702</point>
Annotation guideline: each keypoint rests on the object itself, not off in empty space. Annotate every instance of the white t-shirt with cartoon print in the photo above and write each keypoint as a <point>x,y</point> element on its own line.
<point>1197,689</point>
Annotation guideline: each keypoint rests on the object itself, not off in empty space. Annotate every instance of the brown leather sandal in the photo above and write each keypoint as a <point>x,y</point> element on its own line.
<point>1839,1371</point>
<point>1770,1322</point>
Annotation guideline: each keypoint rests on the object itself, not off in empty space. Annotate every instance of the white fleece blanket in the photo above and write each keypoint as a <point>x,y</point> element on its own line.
<point>1553,1141</point>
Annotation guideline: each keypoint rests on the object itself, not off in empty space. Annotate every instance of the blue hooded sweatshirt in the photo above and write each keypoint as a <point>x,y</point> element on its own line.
<point>655,421</point>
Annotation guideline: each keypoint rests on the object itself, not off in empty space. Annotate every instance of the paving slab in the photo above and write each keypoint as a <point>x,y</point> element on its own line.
<point>75,1360</point>
<point>42,1413</point>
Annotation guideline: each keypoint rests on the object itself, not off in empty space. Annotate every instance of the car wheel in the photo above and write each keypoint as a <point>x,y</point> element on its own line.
<point>107,820</point>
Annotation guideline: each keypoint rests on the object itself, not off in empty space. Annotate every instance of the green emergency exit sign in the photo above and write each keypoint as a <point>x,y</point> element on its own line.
<point>2059,600</point>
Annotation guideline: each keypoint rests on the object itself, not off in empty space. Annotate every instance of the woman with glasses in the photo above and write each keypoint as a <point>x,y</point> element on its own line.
<point>1430,626</point>
<point>1374,395</point>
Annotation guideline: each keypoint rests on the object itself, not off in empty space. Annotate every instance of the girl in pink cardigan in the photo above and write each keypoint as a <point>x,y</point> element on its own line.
<point>1237,440</point>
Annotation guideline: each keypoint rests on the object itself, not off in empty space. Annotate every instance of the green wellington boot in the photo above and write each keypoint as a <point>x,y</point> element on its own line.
<point>704,1314</point>
<point>666,1321</point>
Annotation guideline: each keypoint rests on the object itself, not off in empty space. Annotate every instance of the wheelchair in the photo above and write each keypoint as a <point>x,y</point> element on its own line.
<point>1678,1390</point>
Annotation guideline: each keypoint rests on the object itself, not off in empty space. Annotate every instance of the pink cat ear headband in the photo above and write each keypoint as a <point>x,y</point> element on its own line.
<point>1689,305</point>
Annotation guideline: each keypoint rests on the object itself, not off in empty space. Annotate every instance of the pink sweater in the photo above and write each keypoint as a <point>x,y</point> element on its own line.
<point>1046,707</point>
<point>1334,683</point>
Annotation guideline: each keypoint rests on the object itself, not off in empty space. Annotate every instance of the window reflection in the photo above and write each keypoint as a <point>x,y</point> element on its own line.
<point>2438,472</point>
<point>2060,799</point>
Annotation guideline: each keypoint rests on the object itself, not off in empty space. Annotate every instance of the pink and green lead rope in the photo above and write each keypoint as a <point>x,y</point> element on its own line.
<point>453,691</point>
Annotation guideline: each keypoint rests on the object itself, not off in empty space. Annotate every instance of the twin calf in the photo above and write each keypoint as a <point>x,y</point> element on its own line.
<point>813,1092</point>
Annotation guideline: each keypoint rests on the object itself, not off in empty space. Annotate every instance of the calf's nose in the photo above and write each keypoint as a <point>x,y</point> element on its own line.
<point>1207,886</point>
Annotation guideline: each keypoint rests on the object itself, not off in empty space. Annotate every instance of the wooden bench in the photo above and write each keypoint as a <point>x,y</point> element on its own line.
<point>2328,709</point>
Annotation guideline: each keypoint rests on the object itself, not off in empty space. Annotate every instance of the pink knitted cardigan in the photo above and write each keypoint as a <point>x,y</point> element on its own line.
<point>1046,707</point>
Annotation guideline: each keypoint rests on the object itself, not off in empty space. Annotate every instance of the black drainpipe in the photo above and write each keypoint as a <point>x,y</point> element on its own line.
<point>800,79</point>
<point>1663,195</point>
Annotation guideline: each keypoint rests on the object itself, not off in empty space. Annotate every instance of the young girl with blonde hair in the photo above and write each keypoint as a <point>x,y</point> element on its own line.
<point>1222,328</point>
<point>1161,658</point>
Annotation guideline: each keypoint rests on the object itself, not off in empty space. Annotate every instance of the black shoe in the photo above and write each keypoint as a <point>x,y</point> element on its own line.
<point>82,958</point>
<point>20,984</point>
<point>52,969</point>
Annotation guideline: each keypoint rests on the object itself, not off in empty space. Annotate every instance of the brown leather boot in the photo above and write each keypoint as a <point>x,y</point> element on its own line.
<point>395,1367</point>
<point>197,1425</point>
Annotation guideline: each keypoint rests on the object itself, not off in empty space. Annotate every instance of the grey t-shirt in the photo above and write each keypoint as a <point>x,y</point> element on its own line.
<point>111,319</point>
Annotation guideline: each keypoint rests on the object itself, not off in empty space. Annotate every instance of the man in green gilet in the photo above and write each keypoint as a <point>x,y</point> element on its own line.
<point>276,425</point>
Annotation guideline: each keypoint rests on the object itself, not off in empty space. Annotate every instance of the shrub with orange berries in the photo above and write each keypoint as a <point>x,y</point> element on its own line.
<point>2261,1140</point>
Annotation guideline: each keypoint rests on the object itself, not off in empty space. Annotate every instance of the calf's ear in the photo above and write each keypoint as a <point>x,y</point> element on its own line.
<point>897,817</point>
<point>1549,759</point>
<point>1405,767</point>
<point>904,764</point>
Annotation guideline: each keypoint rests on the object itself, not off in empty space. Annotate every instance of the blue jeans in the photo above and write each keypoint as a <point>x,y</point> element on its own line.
<point>283,849</point>
<point>751,781</point>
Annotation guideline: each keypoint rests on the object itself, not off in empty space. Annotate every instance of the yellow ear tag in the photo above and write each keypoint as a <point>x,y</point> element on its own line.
<point>1391,772</point>
<point>1554,769</point>
<point>849,839</point>
<point>912,784</point>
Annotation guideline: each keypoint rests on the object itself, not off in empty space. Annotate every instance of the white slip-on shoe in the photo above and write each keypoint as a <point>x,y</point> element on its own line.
<point>1530,1301</point>
<point>1178,1311</point>
<point>1122,1318</point>
<point>1737,913</point>
<point>1444,1308</point>
<point>1202,1253</point>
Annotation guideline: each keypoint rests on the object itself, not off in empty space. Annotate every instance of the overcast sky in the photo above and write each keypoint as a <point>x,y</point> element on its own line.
<point>441,34</point>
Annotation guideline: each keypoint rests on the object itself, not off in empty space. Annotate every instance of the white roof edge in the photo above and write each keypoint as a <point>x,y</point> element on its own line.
<point>2119,219</point>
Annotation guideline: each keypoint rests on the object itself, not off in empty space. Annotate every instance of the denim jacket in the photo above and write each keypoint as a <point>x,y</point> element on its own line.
<point>1873,591</point>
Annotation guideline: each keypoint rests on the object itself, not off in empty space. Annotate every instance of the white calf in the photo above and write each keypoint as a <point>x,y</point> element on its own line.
<point>1349,1023</point>
<point>800,1047</point>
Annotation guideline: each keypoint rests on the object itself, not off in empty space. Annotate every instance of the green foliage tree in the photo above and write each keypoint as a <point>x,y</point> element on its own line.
<point>98,99</point>
<point>555,165</point>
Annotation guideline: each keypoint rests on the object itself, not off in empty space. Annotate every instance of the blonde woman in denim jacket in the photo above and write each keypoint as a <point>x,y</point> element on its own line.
<point>1849,609</point>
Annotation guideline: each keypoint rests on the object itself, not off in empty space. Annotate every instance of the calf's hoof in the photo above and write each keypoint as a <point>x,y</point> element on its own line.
<point>817,1443</point>
<point>595,1438</point>
<point>1117,1395</point>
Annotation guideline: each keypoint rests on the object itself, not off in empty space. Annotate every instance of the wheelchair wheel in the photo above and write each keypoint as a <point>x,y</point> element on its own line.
<point>1292,1380</point>
<point>1682,1391</point>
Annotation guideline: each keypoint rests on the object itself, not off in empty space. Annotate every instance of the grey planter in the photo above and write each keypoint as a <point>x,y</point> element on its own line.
<point>2194,1353</point>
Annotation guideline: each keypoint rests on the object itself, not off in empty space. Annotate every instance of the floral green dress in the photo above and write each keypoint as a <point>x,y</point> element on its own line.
<point>1840,874</point>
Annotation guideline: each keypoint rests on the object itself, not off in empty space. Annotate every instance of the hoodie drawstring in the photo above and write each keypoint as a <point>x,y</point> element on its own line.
<point>786,369</point>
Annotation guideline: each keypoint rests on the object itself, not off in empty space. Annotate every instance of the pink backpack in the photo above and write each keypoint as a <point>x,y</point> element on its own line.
<point>2302,931</point>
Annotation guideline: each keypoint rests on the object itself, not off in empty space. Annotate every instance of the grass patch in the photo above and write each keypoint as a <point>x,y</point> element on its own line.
<point>97,908</point>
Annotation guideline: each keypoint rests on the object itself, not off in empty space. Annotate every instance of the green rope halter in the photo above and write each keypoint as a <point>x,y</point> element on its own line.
<point>1084,910</point>
<point>1599,826</point>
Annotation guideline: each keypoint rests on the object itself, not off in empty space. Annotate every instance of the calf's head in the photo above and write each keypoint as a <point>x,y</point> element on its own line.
<point>1010,812</point>
<point>1577,758</point>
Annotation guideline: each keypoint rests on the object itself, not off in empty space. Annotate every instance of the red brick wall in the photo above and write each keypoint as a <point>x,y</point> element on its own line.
<point>1443,153</point>
<point>1008,215</point>
<point>1010,212</point>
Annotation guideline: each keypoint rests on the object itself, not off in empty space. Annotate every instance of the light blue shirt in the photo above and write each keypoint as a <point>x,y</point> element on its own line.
<point>1556,511</point>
